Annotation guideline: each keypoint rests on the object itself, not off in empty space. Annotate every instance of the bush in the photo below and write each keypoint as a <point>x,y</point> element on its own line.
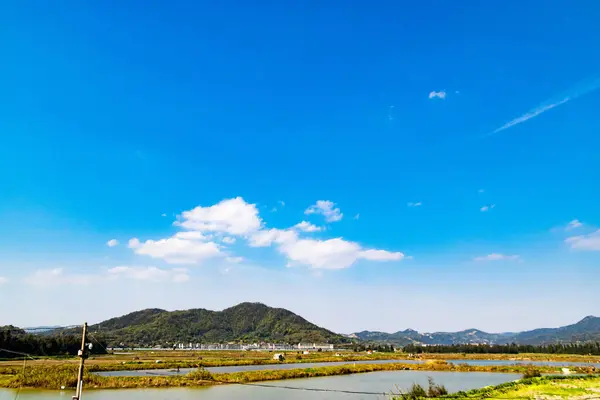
<point>201,374</point>
<point>531,372</point>
<point>417,391</point>
<point>436,390</point>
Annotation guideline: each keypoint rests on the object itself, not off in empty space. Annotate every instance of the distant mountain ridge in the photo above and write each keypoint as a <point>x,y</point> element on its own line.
<point>247,322</point>
<point>588,329</point>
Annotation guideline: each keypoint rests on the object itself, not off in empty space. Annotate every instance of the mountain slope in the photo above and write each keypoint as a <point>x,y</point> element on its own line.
<point>588,329</point>
<point>244,322</point>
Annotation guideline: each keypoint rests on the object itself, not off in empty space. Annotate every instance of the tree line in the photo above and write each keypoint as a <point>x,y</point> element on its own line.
<point>382,348</point>
<point>14,341</point>
<point>590,348</point>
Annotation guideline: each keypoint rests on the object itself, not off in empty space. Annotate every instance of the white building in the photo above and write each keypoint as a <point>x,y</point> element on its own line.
<point>314,346</point>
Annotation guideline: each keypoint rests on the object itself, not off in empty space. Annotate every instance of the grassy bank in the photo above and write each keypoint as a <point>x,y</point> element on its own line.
<point>54,377</point>
<point>147,359</point>
<point>511,357</point>
<point>549,387</point>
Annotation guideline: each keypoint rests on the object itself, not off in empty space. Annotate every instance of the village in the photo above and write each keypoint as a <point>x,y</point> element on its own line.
<point>262,346</point>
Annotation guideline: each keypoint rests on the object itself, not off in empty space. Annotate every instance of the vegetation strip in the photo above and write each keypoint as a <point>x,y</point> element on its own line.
<point>569,386</point>
<point>54,377</point>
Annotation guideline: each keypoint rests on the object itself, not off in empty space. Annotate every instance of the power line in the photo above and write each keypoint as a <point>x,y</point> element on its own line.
<point>18,353</point>
<point>314,389</point>
<point>379,393</point>
<point>98,342</point>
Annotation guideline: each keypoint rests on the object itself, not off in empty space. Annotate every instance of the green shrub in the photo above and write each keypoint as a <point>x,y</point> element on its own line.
<point>200,374</point>
<point>436,390</point>
<point>532,372</point>
<point>417,391</point>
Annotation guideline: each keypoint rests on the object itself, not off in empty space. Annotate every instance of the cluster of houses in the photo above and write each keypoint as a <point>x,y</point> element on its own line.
<point>256,346</point>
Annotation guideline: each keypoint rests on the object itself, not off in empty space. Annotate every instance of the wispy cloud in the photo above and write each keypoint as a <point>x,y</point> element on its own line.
<point>177,275</point>
<point>497,257</point>
<point>415,204</point>
<point>578,90</point>
<point>590,242</point>
<point>437,95</point>
<point>487,208</point>
<point>57,276</point>
<point>327,209</point>
<point>306,226</point>
<point>112,243</point>
<point>574,225</point>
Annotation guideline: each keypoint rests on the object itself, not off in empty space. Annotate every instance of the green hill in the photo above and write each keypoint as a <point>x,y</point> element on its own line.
<point>247,322</point>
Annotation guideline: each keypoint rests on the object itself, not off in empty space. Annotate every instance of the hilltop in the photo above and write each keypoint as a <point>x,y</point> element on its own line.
<point>248,322</point>
<point>588,329</point>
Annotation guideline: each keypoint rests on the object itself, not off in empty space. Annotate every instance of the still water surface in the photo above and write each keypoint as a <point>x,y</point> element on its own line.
<point>375,382</point>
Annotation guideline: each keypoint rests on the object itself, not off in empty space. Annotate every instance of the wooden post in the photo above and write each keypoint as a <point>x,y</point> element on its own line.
<point>82,360</point>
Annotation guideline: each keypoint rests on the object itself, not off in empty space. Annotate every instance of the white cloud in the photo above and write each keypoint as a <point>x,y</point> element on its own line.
<point>357,216</point>
<point>327,209</point>
<point>331,254</point>
<point>590,242</point>
<point>237,218</point>
<point>267,237</point>
<point>281,203</point>
<point>57,276</point>
<point>306,226</point>
<point>3,280</point>
<point>574,225</point>
<point>381,255</point>
<point>152,274</point>
<point>191,235</point>
<point>497,257</point>
<point>417,204</point>
<point>177,251</point>
<point>163,215</point>
<point>487,208</point>
<point>440,95</point>
<point>233,216</point>
<point>112,243</point>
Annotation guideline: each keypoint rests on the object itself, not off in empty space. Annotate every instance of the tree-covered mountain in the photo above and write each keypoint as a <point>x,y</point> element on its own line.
<point>245,322</point>
<point>588,329</point>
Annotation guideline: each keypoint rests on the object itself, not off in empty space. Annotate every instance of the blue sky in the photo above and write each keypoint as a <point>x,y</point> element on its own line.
<point>442,154</point>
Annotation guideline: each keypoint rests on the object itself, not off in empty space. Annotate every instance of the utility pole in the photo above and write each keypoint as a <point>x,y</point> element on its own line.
<point>82,355</point>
